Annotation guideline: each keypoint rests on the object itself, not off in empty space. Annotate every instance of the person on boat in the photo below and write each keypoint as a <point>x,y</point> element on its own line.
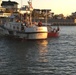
<point>54,30</point>
<point>22,27</point>
<point>24,22</point>
<point>57,29</point>
<point>40,23</point>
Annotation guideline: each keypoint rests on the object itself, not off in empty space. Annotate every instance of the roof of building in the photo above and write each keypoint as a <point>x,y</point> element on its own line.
<point>11,3</point>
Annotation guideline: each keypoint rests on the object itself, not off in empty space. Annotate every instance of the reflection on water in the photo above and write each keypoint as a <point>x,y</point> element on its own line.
<point>43,51</point>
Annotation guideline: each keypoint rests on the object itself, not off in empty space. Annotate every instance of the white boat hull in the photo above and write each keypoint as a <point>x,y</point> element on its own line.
<point>28,33</point>
<point>32,35</point>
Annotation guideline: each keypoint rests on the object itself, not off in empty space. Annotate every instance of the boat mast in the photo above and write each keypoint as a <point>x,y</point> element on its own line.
<point>21,13</point>
<point>30,9</point>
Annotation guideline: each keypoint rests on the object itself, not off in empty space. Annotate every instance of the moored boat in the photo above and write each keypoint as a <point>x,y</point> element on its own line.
<point>20,30</point>
<point>24,30</point>
<point>53,32</point>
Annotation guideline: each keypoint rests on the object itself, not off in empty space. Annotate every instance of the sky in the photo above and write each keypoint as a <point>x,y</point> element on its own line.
<point>65,7</point>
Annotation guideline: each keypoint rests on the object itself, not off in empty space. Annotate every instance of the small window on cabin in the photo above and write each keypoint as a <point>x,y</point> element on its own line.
<point>13,27</point>
<point>11,19</point>
<point>18,28</point>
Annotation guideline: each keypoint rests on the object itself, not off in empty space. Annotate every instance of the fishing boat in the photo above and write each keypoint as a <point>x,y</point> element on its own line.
<point>24,30</point>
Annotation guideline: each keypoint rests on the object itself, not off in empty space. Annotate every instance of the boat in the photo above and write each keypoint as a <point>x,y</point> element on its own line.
<point>24,30</point>
<point>52,31</point>
<point>20,30</point>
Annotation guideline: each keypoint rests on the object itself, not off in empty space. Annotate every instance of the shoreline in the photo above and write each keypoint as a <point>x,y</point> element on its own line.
<point>57,22</point>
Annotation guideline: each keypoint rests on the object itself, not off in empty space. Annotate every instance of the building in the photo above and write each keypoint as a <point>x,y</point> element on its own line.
<point>41,13</point>
<point>1,8</point>
<point>10,6</point>
<point>6,9</point>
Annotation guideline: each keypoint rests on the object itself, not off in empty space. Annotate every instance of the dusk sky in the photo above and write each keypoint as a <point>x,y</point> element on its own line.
<point>65,7</point>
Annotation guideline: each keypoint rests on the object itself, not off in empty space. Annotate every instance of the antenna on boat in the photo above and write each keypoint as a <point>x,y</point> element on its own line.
<point>46,16</point>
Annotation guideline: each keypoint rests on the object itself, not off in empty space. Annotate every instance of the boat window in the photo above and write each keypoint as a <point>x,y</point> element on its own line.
<point>11,19</point>
<point>11,32</point>
<point>17,27</point>
<point>13,27</point>
<point>22,27</point>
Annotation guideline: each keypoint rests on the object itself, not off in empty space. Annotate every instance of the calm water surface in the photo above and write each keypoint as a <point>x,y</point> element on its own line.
<point>54,56</point>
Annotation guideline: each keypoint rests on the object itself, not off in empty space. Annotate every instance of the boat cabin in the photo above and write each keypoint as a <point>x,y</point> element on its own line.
<point>12,24</point>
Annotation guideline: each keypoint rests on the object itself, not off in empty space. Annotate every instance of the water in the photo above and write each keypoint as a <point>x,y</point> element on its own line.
<point>54,56</point>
